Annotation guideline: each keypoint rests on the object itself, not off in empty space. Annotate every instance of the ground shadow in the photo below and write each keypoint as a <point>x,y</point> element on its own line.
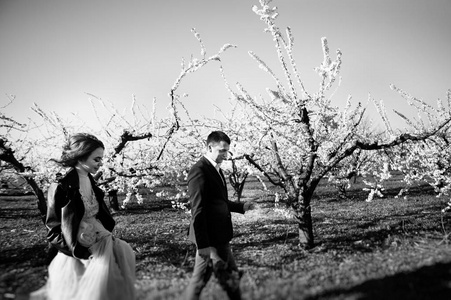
<point>429,282</point>
<point>356,192</point>
<point>35,255</point>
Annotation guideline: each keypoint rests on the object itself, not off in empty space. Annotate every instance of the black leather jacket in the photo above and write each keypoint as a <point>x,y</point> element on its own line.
<point>65,210</point>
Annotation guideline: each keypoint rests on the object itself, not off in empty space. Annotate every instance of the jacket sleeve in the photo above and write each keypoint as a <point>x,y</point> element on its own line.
<point>196,188</point>
<point>55,201</point>
<point>236,207</point>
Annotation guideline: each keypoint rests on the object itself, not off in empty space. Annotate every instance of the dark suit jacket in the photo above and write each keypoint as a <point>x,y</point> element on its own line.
<point>65,209</point>
<point>211,221</point>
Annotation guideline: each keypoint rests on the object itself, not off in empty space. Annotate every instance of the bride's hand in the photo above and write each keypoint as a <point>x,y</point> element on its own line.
<point>86,236</point>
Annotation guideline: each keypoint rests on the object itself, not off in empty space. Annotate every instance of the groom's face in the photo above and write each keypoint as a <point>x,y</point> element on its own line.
<point>218,151</point>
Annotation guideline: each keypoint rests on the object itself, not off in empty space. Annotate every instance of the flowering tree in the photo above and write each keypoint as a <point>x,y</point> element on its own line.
<point>140,148</point>
<point>7,156</point>
<point>364,164</point>
<point>11,163</point>
<point>427,160</point>
<point>299,137</point>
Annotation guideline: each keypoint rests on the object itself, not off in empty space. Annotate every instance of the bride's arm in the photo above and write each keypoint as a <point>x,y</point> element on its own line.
<point>53,219</point>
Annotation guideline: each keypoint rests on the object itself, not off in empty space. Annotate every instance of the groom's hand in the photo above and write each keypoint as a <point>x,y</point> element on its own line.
<point>214,255</point>
<point>204,252</point>
<point>249,206</point>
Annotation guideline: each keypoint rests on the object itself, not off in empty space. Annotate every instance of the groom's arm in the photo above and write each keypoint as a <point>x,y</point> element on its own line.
<point>236,207</point>
<point>196,188</point>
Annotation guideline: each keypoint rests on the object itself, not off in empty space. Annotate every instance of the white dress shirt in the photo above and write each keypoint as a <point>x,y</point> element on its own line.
<point>217,167</point>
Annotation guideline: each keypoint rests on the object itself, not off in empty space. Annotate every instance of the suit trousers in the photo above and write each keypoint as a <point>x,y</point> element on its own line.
<point>225,271</point>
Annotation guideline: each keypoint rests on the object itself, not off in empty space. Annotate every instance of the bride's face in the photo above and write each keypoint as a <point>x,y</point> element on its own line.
<point>93,162</point>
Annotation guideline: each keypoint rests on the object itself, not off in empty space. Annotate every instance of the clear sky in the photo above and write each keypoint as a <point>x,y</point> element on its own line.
<point>53,52</point>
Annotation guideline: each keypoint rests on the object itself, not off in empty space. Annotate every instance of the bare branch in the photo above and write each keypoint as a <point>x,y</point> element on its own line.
<point>128,137</point>
<point>251,160</point>
<point>402,138</point>
<point>278,161</point>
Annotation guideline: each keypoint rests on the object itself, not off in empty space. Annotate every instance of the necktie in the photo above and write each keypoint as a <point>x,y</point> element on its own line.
<point>222,176</point>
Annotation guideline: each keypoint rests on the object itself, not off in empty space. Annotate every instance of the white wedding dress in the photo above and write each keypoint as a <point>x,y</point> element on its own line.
<point>109,273</point>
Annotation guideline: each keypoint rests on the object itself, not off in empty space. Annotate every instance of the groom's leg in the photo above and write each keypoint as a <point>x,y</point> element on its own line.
<point>227,273</point>
<point>201,274</point>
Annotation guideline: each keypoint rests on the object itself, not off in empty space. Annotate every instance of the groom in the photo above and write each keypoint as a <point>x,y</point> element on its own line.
<point>211,223</point>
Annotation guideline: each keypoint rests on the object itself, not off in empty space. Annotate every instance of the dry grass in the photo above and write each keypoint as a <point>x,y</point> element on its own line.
<point>389,248</point>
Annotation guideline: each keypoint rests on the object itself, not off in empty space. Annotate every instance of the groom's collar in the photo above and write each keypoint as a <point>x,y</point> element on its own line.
<point>213,163</point>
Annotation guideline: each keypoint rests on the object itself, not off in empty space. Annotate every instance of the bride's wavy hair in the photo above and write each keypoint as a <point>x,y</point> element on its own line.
<point>78,147</point>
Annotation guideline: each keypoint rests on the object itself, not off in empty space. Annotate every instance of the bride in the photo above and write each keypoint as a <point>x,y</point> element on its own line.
<point>91,263</point>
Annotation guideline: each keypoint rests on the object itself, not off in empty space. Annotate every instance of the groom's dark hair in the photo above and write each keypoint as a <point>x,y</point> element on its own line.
<point>217,137</point>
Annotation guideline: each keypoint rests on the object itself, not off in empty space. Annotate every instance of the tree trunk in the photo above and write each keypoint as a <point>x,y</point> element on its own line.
<point>114,203</point>
<point>305,227</point>
<point>237,181</point>
<point>41,200</point>
<point>239,191</point>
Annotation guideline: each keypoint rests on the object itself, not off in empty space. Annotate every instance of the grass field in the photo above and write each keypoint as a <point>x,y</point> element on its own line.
<point>385,249</point>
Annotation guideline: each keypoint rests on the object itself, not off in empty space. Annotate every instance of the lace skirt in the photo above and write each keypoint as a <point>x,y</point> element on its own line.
<point>109,273</point>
